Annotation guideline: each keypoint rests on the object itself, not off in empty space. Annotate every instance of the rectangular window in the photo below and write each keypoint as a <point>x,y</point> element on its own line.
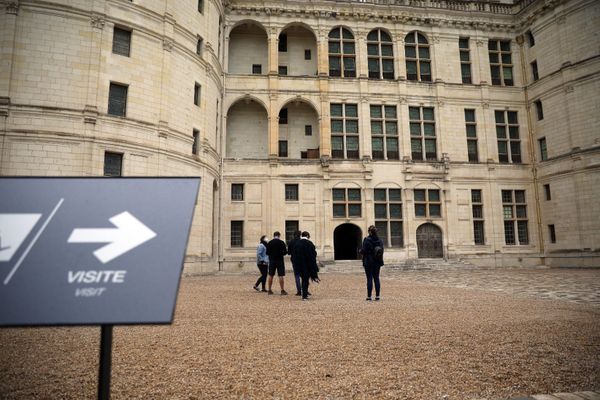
<point>117,99</point>
<point>530,38</point>
<point>201,6</point>
<point>514,210</point>
<point>344,131</point>
<point>471,128</point>
<point>384,132</point>
<point>422,133</point>
<point>307,130</point>
<point>237,191</point>
<point>427,203</point>
<point>465,60</point>
<point>197,93</point>
<point>283,70</point>
<point>307,54</point>
<point>534,71</point>
<point>552,233</point>
<point>501,65</point>
<point>237,233</point>
<point>291,192</point>
<point>543,149</point>
<point>283,148</point>
<point>478,225</point>
<point>282,43</point>
<point>291,227</point>
<point>388,216</point>
<point>113,164</point>
<point>199,46</point>
<point>256,69</point>
<point>283,116</point>
<point>507,133</point>
<point>121,41</point>
<point>547,191</point>
<point>539,109</point>
<point>196,136</point>
<point>346,203</point>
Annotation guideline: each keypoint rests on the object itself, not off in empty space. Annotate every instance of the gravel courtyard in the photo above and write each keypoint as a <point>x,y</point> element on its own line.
<point>434,335</point>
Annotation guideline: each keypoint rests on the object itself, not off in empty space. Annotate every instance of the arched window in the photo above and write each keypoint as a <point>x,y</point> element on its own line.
<point>342,55</point>
<point>381,55</point>
<point>418,60</point>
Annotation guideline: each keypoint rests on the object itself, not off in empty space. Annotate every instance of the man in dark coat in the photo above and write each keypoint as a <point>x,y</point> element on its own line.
<point>276,249</point>
<point>305,256</point>
<point>291,246</point>
<point>372,257</point>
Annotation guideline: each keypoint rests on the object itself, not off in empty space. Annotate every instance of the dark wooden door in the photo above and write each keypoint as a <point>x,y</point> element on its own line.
<point>429,241</point>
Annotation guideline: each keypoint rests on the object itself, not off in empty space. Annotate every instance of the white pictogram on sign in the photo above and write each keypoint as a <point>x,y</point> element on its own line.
<point>128,234</point>
<point>14,228</point>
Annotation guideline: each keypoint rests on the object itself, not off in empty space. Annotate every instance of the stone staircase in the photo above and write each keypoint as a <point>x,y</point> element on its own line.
<point>420,264</point>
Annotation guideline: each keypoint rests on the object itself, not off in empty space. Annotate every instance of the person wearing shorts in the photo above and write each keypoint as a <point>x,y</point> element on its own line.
<point>276,249</point>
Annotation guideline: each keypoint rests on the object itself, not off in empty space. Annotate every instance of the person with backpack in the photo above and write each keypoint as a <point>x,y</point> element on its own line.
<point>262,262</point>
<point>372,258</point>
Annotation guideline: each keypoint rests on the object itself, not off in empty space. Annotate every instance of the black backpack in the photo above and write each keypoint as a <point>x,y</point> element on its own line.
<point>378,252</point>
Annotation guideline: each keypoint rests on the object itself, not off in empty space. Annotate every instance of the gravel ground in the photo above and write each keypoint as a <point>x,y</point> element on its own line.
<point>422,341</point>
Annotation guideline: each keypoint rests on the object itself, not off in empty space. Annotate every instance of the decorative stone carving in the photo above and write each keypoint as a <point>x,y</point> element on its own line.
<point>12,7</point>
<point>97,21</point>
<point>485,105</point>
<point>479,42</point>
<point>4,104</point>
<point>167,44</point>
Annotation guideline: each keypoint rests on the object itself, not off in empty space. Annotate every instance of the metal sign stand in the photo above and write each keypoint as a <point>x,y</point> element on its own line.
<point>105,360</point>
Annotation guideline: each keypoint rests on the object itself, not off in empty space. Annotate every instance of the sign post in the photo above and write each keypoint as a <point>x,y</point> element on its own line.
<point>93,251</point>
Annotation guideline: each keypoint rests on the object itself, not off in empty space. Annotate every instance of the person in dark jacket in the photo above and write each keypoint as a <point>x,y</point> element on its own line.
<point>276,249</point>
<point>291,246</point>
<point>306,262</point>
<point>262,262</point>
<point>371,262</point>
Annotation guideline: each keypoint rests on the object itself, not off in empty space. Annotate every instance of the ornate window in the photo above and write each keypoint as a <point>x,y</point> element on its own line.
<point>501,65</point>
<point>388,216</point>
<point>471,127</point>
<point>427,203</point>
<point>422,133</point>
<point>344,131</point>
<point>514,209</point>
<point>507,132</point>
<point>384,132</point>
<point>380,53</point>
<point>477,206</point>
<point>418,59</point>
<point>342,53</point>
<point>346,203</point>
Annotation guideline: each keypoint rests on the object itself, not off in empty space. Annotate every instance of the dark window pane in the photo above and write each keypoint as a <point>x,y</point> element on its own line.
<point>434,195</point>
<point>237,191</point>
<point>380,211</point>
<point>428,114</point>
<point>335,33</point>
<point>509,232</point>
<point>478,232</point>
<point>476,196</point>
<point>351,126</point>
<point>415,129</point>
<point>420,210</point>
<point>283,148</point>
<point>117,100</point>
<point>435,210</point>
<point>339,210</point>
<point>512,117</point>
<point>376,128</point>
<point>521,211</point>
<point>354,210</point>
<point>464,56</point>
<point>424,52</point>
<point>237,233</point>
<point>391,128</point>
<point>395,194</point>
<point>463,43</point>
<point>413,113</point>
<point>507,196</point>
<point>505,45</point>
<point>346,34</point>
<point>382,231</point>
<point>410,52</point>
<point>380,195</point>
<point>334,47</point>
<point>373,49</point>
<point>375,111</point>
<point>471,131</point>
<point>386,50</point>
<point>519,196</point>
<point>419,195</point>
<point>291,192</point>
<point>121,41</point>
<point>353,194</point>
<point>348,48</point>
<point>396,233</point>
<point>477,212</point>
<point>396,211</point>
<point>113,163</point>
<point>523,233</point>
<point>351,110</point>
<point>339,194</point>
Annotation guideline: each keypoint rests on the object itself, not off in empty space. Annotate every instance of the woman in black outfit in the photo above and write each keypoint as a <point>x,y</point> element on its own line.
<point>371,262</point>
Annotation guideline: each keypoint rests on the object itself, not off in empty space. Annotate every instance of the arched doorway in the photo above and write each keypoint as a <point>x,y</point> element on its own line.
<point>429,241</point>
<point>346,242</point>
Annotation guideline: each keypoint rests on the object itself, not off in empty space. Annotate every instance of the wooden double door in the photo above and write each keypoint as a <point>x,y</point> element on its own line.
<point>429,241</point>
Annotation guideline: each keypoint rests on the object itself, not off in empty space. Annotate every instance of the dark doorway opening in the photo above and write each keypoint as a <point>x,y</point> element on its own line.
<point>429,241</point>
<point>346,242</point>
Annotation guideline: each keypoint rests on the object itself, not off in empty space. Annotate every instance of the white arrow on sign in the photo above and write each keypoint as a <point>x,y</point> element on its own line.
<point>128,234</point>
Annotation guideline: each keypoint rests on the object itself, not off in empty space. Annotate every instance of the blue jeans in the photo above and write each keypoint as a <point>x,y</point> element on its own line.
<point>297,278</point>
<point>373,275</point>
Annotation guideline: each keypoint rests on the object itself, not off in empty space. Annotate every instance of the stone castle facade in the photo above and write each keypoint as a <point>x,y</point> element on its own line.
<point>461,129</point>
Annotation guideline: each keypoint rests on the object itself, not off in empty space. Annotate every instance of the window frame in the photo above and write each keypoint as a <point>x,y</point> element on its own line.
<point>388,220</point>
<point>534,71</point>
<point>256,67</point>
<point>346,202</point>
<point>478,217</point>
<point>465,50</point>
<point>515,221</point>
<point>384,136</point>
<point>197,94</point>
<point>108,165</point>
<point>379,57</point>
<point>500,64</point>
<point>342,56</point>
<point>120,48</point>
<point>196,142</point>
<point>472,157</point>
<point>552,233</point>
<point>237,192</point>
<point>293,194</point>
<point>427,203</point>
<point>111,89</point>
<point>345,135</point>
<point>511,157</point>
<point>417,59</point>
<point>543,149</point>
<point>422,138</point>
<point>238,224</point>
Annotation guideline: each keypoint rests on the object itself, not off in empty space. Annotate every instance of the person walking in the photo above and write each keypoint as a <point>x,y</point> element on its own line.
<point>262,262</point>
<point>291,247</point>
<point>276,249</point>
<point>306,262</point>
<point>372,257</point>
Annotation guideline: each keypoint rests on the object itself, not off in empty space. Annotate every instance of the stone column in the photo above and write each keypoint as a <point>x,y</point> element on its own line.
<point>273,51</point>
<point>273,126</point>
<point>360,42</point>
<point>322,54</point>
<point>325,127</point>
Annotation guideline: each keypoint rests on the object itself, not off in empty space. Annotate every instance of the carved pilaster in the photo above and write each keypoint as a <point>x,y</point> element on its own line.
<point>97,21</point>
<point>167,44</point>
<point>12,7</point>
